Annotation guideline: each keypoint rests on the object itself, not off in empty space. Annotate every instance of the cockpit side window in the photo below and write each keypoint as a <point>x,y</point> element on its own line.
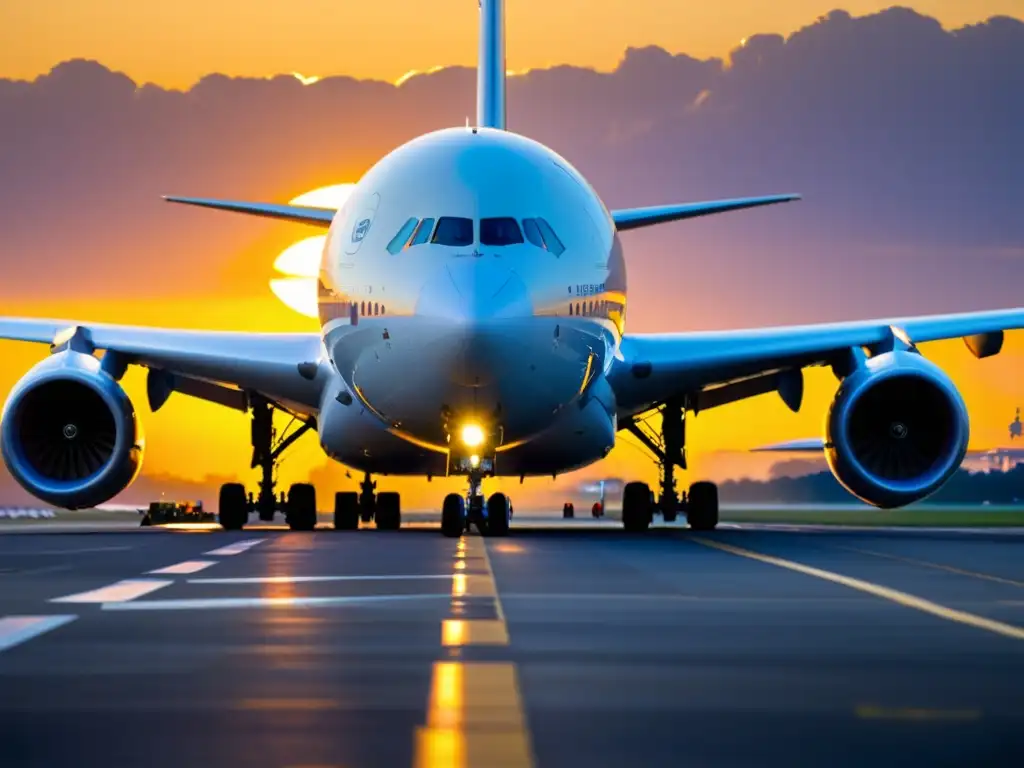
<point>550,238</point>
<point>453,231</point>
<point>540,233</point>
<point>422,232</point>
<point>398,241</point>
<point>500,231</point>
<point>533,232</point>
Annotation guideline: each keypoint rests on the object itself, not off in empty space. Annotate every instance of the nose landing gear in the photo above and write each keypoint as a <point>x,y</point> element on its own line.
<point>669,447</point>
<point>491,517</point>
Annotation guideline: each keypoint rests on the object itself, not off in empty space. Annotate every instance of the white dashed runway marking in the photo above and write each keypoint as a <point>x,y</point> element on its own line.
<point>120,591</point>
<point>181,569</point>
<point>15,630</point>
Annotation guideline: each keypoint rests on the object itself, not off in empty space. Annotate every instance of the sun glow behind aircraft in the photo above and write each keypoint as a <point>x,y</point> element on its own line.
<point>301,261</point>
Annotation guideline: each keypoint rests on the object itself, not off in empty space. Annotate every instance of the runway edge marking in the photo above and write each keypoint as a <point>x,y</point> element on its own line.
<point>901,598</point>
<point>475,714</point>
<point>15,630</point>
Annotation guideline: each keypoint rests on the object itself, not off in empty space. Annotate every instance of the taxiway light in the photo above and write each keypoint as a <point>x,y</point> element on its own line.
<point>472,435</point>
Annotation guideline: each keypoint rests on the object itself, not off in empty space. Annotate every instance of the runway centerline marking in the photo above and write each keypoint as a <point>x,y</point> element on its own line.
<point>475,714</point>
<point>901,598</point>
<point>305,579</point>
<point>181,569</point>
<point>938,566</point>
<point>221,603</point>
<point>119,592</point>
<point>15,630</point>
<point>234,549</point>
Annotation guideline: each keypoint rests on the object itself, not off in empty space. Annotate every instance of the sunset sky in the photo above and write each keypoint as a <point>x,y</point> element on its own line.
<point>903,138</point>
<point>173,44</point>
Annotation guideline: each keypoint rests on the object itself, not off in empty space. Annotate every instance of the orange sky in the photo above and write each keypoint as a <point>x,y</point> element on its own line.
<point>175,43</point>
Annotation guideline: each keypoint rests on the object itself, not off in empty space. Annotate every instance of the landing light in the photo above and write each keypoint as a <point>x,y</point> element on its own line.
<point>474,460</point>
<point>472,435</point>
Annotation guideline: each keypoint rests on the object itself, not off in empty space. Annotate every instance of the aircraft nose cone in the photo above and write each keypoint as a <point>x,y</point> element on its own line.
<point>474,291</point>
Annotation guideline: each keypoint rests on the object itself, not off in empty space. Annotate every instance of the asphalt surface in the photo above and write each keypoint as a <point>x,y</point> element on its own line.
<point>561,645</point>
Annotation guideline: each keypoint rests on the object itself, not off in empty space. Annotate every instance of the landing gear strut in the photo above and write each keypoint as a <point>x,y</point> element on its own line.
<point>491,517</point>
<point>299,506</point>
<point>669,447</point>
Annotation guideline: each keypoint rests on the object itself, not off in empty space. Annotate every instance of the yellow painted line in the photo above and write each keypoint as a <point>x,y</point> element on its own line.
<point>939,566</point>
<point>901,598</point>
<point>475,717</point>
<point>460,632</point>
<point>914,713</point>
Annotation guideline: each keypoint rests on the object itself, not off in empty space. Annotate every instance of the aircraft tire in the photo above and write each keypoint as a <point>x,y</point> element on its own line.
<point>301,507</point>
<point>702,506</point>
<point>388,512</point>
<point>233,507</point>
<point>636,507</point>
<point>453,516</point>
<point>346,511</point>
<point>497,515</point>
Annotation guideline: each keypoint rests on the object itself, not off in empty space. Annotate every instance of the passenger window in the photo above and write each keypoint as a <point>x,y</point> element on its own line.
<point>398,241</point>
<point>550,238</point>
<point>453,231</point>
<point>533,232</point>
<point>500,231</point>
<point>422,232</point>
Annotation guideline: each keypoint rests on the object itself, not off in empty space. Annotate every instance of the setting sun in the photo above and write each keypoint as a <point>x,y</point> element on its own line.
<point>301,261</point>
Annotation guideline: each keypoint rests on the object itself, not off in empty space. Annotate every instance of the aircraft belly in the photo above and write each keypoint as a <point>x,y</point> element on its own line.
<point>521,371</point>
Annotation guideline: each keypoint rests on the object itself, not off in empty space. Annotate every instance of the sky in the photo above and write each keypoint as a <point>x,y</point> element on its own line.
<point>175,43</point>
<point>900,129</point>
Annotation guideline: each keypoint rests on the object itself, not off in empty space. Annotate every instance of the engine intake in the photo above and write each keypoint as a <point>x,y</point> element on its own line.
<point>69,433</point>
<point>897,430</point>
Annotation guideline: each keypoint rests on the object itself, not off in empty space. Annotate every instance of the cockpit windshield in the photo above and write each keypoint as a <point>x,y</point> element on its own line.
<point>500,231</point>
<point>453,231</point>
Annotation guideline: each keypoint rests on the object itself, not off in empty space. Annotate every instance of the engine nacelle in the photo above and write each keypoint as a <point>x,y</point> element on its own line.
<point>69,433</point>
<point>897,430</point>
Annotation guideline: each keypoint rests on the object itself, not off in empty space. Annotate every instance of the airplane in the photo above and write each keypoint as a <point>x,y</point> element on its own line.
<point>472,298</point>
<point>1016,427</point>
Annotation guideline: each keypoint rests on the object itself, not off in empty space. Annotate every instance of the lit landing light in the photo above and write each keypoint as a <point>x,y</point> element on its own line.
<point>472,436</point>
<point>474,460</point>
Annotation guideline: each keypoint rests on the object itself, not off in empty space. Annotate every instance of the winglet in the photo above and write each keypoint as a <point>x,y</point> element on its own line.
<point>302,214</point>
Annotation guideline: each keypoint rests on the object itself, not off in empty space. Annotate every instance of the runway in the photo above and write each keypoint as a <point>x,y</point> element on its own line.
<point>564,644</point>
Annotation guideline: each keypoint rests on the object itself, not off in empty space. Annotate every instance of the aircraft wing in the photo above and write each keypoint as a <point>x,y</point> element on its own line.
<point>302,214</point>
<point>653,368</point>
<point>817,445</point>
<point>633,218</point>
<point>212,365</point>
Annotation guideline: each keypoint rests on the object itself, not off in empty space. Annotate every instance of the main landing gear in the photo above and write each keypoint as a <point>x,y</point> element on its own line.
<point>299,505</point>
<point>491,517</point>
<point>639,506</point>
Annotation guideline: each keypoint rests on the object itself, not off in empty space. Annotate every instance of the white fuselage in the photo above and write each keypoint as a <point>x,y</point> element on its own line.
<point>483,318</point>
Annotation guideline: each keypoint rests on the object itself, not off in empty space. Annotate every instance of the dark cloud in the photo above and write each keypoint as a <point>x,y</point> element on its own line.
<point>904,138</point>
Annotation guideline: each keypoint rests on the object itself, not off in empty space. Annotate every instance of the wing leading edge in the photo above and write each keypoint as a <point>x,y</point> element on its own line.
<point>633,218</point>
<point>206,364</point>
<point>302,214</point>
<point>655,367</point>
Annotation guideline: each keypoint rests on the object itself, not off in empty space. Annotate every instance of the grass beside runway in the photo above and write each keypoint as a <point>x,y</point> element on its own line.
<point>924,516</point>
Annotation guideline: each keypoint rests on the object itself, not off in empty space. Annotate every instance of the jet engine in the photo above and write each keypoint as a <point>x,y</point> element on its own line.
<point>897,429</point>
<point>69,433</point>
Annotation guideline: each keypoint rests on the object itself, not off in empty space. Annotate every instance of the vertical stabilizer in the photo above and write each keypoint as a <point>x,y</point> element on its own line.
<point>490,75</point>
